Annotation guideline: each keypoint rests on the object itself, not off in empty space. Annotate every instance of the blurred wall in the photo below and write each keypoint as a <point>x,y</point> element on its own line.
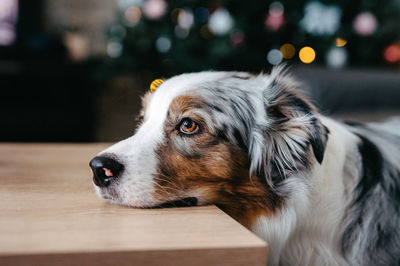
<point>51,90</point>
<point>86,19</point>
<point>47,93</point>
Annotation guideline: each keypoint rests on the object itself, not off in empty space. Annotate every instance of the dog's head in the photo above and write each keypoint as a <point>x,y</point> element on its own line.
<point>224,138</point>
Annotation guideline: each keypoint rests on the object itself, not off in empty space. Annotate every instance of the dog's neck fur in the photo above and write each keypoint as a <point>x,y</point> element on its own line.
<point>312,216</point>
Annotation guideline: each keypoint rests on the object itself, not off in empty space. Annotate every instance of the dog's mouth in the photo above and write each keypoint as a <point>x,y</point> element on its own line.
<point>185,202</point>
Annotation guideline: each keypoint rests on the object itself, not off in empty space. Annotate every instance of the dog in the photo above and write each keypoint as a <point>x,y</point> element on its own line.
<point>318,191</point>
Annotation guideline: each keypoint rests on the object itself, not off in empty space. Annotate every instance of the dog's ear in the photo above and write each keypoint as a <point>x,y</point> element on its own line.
<point>294,136</point>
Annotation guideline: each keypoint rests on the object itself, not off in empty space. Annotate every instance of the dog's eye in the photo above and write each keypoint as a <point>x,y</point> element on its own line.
<point>188,126</point>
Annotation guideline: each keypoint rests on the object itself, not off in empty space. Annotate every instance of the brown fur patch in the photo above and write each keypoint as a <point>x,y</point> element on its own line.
<point>209,166</point>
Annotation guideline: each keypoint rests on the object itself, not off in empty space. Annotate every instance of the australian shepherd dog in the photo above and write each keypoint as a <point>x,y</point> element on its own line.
<point>318,191</point>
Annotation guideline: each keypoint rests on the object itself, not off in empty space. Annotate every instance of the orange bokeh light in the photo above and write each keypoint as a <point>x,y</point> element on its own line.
<point>392,53</point>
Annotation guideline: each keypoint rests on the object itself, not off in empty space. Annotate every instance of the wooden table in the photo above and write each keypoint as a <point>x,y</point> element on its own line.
<point>50,215</point>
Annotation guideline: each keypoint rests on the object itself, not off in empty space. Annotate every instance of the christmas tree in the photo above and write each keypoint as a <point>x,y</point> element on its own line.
<point>171,37</point>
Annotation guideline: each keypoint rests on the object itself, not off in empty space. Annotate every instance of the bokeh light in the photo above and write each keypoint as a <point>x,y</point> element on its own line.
<point>114,49</point>
<point>185,19</point>
<point>205,32</point>
<point>392,53</point>
<point>365,24</point>
<point>155,9</point>
<point>237,39</point>
<point>287,50</point>
<point>321,19</point>
<point>276,9</point>
<point>180,32</point>
<point>78,46</point>
<point>132,15</point>
<point>163,44</point>
<point>340,42</point>
<point>307,54</point>
<point>336,57</point>
<point>226,31</point>
<point>8,21</point>
<point>275,19</point>
<point>175,13</point>
<point>201,14</point>
<point>221,21</point>
<point>274,57</point>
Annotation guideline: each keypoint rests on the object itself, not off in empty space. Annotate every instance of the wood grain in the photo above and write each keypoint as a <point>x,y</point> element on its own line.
<point>50,215</point>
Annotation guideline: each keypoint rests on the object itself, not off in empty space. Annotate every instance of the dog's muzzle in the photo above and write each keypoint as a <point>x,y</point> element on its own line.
<point>105,170</point>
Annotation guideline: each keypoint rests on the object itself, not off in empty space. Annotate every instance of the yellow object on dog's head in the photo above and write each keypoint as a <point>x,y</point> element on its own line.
<point>155,84</point>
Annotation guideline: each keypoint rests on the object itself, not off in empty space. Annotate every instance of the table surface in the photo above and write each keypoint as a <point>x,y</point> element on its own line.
<point>50,215</point>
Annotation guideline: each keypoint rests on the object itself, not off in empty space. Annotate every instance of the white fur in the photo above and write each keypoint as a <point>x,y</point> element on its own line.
<point>307,230</point>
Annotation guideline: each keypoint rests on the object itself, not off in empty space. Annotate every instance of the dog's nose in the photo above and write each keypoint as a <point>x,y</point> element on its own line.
<point>105,170</point>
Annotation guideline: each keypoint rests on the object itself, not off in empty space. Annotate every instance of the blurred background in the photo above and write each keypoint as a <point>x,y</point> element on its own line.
<point>74,70</point>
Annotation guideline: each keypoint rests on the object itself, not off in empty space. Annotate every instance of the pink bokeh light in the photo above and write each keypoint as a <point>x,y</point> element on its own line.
<point>8,20</point>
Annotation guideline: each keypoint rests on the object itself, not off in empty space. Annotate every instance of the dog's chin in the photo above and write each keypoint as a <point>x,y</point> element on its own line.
<point>109,194</point>
<point>179,203</point>
<point>113,197</point>
<point>183,202</point>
